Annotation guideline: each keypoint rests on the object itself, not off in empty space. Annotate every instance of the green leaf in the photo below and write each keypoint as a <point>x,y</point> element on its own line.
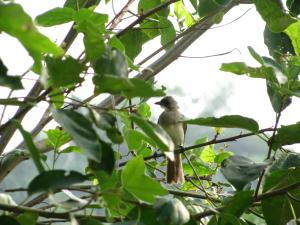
<point>208,7</point>
<point>235,67</point>
<point>135,139</point>
<point>182,13</point>
<point>75,4</point>
<point>294,7</point>
<point>112,62</point>
<point>273,13</point>
<point>15,22</point>
<point>220,157</point>
<point>167,32</point>
<point>112,84</point>
<point>35,154</point>
<point>155,132</point>
<point>13,82</point>
<point>281,209</point>
<point>133,41</point>
<point>53,180</point>
<point>256,56</point>
<point>137,183</point>
<point>28,218</point>
<point>58,137</point>
<point>64,71</point>
<point>278,43</point>
<point>81,131</point>
<point>57,97</point>
<point>207,154</point>
<point>89,221</point>
<point>232,121</point>
<point>7,220</point>
<point>293,31</point>
<point>55,16</point>
<point>286,135</point>
<point>171,211</point>
<point>94,46</point>
<point>146,5</point>
<point>144,110</point>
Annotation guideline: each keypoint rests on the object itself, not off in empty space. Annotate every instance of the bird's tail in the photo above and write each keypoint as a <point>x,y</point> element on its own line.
<point>174,170</point>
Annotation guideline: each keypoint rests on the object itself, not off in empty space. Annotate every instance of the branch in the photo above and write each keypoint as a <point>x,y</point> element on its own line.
<point>179,150</point>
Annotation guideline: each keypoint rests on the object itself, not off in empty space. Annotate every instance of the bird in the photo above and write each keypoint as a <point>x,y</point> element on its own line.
<point>170,120</point>
<point>240,170</point>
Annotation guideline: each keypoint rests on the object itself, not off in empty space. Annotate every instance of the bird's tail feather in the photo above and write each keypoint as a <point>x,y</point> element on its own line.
<point>175,171</point>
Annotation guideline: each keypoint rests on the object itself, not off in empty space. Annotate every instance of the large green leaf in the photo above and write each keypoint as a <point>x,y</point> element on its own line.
<point>28,218</point>
<point>167,31</point>
<point>137,183</point>
<point>273,13</point>
<point>155,132</point>
<point>146,5</point>
<point>54,179</point>
<point>55,16</point>
<point>15,22</point>
<point>64,71</point>
<point>287,135</point>
<point>81,131</point>
<point>208,7</point>
<point>232,121</point>
<point>281,209</point>
<point>278,43</point>
<point>111,62</point>
<point>240,171</point>
<point>133,87</point>
<point>293,31</point>
<point>7,220</point>
<point>13,82</point>
<point>35,154</point>
<point>171,211</point>
<point>135,139</point>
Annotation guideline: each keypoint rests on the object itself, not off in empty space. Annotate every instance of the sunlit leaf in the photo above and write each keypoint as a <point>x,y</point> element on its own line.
<point>273,13</point>
<point>137,183</point>
<point>293,31</point>
<point>57,137</point>
<point>54,179</point>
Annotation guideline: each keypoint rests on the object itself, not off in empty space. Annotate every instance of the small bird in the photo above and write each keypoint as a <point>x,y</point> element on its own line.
<point>240,171</point>
<point>169,120</point>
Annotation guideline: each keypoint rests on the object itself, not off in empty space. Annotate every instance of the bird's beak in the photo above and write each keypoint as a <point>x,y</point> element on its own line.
<point>157,103</point>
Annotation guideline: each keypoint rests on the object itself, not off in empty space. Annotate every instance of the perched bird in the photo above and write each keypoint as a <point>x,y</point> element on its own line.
<point>240,171</point>
<point>169,120</point>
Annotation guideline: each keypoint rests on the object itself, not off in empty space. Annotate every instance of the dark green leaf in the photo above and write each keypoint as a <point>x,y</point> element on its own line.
<point>137,183</point>
<point>75,4</point>
<point>285,161</point>
<point>294,7</point>
<point>171,211</point>
<point>13,82</point>
<point>278,43</point>
<point>81,131</point>
<point>114,135</point>
<point>273,13</point>
<point>281,209</point>
<point>13,101</point>
<point>112,84</point>
<point>208,7</point>
<point>15,22</point>
<point>133,41</point>
<point>94,46</point>
<point>146,5</point>
<point>112,62</point>
<point>145,215</point>
<point>232,121</point>
<point>7,220</point>
<point>35,154</point>
<point>55,16</point>
<point>89,221</point>
<point>275,97</point>
<point>57,97</point>
<point>287,135</point>
<point>167,32</point>
<point>28,218</point>
<point>53,180</point>
<point>64,71</point>
<point>155,132</point>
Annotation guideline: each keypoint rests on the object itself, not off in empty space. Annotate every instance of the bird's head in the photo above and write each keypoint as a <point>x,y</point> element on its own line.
<point>168,102</point>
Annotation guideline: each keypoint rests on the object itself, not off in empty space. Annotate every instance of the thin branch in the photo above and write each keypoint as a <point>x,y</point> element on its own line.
<point>209,56</point>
